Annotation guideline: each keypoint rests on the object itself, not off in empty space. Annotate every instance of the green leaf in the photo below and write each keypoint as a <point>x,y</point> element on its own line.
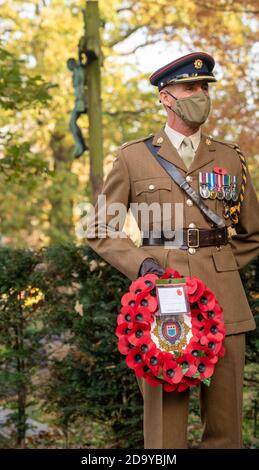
<point>160,374</point>
<point>177,354</point>
<point>184,367</point>
<point>196,375</point>
<point>207,381</point>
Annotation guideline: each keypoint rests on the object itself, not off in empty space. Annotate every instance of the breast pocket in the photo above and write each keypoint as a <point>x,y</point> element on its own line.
<point>153,190</point>
<point>151,194</point>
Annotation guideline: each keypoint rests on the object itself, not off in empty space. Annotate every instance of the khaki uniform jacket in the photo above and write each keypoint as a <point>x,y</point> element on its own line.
<point>137,177</point>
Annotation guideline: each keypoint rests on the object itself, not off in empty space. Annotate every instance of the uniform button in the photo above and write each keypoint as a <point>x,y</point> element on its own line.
<point>192,251</point>
<point>151,186</point>
<point>188,179</point>
<point>192,225</point>
<point>189,202</point>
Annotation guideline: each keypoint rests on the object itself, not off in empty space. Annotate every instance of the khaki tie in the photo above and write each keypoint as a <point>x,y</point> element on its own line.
<point>187,151</point>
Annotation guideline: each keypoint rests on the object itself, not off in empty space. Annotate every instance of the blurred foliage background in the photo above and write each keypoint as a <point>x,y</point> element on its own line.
<point>85,396</point>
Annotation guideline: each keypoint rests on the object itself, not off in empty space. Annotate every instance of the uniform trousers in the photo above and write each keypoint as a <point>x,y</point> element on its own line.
<point>165,417</point>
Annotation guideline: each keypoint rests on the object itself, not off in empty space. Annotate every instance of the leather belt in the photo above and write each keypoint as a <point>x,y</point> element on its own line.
<point>191,238</point>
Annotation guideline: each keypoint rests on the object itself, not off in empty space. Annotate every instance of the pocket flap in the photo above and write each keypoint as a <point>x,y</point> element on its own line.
<point>225,261</point>
<point>152,184</point>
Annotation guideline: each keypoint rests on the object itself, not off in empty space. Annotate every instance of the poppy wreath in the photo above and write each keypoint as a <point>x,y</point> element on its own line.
<point>176,370</point>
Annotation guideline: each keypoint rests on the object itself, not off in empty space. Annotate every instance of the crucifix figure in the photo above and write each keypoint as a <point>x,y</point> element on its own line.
<point>81,107</point>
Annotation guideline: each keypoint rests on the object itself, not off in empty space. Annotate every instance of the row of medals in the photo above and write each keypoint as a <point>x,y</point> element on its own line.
<point>213,185</point>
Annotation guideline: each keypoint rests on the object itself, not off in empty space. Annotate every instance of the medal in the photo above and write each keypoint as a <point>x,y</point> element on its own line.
<point>212,185</point>
<point>219,189</point>
<point>227,187</point>
<point>203,185</point>
<point>234,188</point>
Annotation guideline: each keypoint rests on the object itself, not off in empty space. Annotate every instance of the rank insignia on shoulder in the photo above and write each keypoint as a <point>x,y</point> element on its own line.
<point>218,185</point>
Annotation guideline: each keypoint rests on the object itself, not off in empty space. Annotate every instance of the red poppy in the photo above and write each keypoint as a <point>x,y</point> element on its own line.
<point>151,303</point>
<point>135,314</point>
<point>151,277</point>
<point>124,346</point>
<point>143,283</point>
<point>154,359</point>
<point>198,322</point>
<point>138,286</point>
<point>145,343</point>
<point>198,332</point>
<point>213,347</point>
<point>152,380</point>
<point>134,358</point>
<point>143,370</point>
<point>168,355</point>
<point>207,301</point>
<point>123,330</point>
<point>128,299</point>
<point>194,348</point>
<point>214,330</point>
<point>216,313</point>
<point>220,352</point>
<point>195,288</point>
<point>125,315</point>
<point>170,272</point>
<point>146,299</point>
<point>205,367</point>
<point>220,170</point>
<point>172,371</point>
<point>187,361</point>
<point>142,315</point>
<point>137,332</point>
<point>197,314</point>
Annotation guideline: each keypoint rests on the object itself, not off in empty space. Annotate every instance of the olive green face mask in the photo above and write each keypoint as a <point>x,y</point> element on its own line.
<point>193,109</point>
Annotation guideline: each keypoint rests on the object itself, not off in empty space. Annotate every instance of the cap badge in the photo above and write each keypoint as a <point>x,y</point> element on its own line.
<point>198,63</point>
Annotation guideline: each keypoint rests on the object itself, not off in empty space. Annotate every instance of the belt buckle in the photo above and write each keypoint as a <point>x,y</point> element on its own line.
<point>197,235</point>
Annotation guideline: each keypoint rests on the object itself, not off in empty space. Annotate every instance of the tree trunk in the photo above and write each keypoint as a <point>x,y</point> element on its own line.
<point>93,53</point>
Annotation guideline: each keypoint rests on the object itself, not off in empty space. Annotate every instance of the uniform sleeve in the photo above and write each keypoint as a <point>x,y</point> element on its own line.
<point>245,244</point>
<point>104,235</point>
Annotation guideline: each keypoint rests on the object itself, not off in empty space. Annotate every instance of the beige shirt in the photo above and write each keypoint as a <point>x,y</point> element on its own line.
<point>176,137</point>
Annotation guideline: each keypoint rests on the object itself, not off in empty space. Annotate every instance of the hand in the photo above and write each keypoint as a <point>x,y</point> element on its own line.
<point>149,265</point>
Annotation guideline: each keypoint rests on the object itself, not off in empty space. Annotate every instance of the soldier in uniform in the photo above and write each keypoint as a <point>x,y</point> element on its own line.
<point>216,170</point>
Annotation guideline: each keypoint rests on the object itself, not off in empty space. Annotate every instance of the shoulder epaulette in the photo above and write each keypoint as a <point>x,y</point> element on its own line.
<point>141,139</point>
<point>225,142</point>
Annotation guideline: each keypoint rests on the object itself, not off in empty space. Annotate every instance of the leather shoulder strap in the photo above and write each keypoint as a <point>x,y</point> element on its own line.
<point>176,176</point>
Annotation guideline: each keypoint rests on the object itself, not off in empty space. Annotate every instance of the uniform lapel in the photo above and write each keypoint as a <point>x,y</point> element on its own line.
<point>167,150</point>
<point>205,152</point>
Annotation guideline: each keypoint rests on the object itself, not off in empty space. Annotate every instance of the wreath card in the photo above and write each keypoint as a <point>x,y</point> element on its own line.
<point>172,297</point>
